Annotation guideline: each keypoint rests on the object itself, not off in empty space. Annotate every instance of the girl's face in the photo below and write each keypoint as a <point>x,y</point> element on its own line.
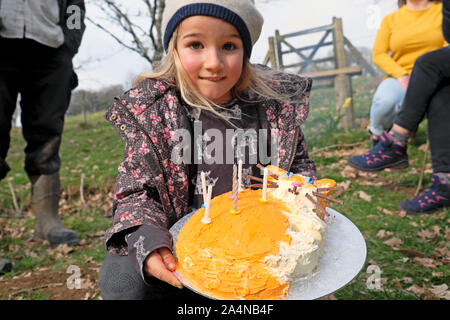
<point>212,54</point>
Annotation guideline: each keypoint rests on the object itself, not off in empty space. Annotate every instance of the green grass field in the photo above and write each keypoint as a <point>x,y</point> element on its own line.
<point>410,252</point>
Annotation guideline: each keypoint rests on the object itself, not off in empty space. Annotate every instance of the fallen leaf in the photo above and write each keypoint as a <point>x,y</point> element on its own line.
<point>436,230</point>
<point>349,172</point>
<point>426,262</point>
<point>402,213</point>
<point>425,234</point>
<point>397,283</point>
<point>443,254</point>
<point>345,184</point>
<point>407,280</point>
<point>416,289</point>
<point>413,253</point>
<point>87,284</point>
<point>393,242</point>
<point>437,274</point>
<point>441,291</point>
<point>383,234</point>
<point>60,250</point>
<point>365,196</point>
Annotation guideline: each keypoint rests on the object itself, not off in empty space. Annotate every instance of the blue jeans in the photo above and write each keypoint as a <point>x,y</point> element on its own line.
<point>386,103</point>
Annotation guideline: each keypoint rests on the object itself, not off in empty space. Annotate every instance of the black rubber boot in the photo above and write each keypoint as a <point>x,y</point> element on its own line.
<point>5,266</point>
<point>45,193</point>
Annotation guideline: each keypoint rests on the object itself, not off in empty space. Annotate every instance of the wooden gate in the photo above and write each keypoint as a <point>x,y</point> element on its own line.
<point>339,77</point>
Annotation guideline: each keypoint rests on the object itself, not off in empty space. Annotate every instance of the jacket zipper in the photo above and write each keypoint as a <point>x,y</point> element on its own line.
<point>294,148</point>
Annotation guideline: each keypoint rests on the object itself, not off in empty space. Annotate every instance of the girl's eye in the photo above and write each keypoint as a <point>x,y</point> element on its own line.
<point>195,45</point>
<point>229,46</point>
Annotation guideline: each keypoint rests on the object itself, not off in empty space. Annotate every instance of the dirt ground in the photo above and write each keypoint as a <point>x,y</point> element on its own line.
<point>52,285</point>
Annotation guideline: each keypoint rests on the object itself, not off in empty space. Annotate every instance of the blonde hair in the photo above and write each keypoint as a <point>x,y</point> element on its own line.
<point>401,3</point>
<point>252,81</point>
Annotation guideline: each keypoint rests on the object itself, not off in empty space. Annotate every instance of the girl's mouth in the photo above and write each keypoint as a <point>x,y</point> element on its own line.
<point>213,79</point>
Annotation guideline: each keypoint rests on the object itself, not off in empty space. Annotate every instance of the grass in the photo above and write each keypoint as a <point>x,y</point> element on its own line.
<point>94,149</point>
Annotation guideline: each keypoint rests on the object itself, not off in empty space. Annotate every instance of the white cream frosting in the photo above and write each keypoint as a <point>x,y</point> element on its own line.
<point>301,256</point>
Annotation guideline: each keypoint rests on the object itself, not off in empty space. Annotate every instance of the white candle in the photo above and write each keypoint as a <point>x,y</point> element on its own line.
<point>206,218</point>
<point>240,176</point>
<point>203,187</point>
<point>264,192</point>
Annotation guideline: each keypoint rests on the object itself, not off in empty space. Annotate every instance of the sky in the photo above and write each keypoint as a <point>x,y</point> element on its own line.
<point>102,62</point>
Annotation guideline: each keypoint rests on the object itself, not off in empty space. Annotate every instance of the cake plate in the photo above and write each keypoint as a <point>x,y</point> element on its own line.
<point>343,258</point>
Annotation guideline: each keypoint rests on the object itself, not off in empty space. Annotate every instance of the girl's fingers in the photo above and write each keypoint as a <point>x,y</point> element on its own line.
<point>156,267</point>
<point>168,258</point>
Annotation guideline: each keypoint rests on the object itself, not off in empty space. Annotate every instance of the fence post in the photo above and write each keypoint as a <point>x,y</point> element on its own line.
<point>278,50</point>
<point>271,53</point>
<point>342,83</point>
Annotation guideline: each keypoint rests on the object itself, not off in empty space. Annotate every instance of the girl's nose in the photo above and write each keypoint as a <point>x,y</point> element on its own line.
<point>213,60</point>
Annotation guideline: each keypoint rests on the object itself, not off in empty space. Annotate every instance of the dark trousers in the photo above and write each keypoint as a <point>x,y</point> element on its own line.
<point>44,78</point>
<point>119,280</point>
<point>428,95</point>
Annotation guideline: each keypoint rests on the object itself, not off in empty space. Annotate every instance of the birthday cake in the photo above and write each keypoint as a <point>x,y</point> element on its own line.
<point>254,247</point>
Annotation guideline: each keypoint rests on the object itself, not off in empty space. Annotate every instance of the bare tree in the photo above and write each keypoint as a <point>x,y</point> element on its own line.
<point>139,25</point>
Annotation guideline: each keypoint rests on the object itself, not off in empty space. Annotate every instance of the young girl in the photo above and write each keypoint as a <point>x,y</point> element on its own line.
<point>204,85</point>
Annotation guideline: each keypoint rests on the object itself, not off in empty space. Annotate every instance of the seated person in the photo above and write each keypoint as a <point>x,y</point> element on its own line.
<point>395,51</point>
<point>428,94</point>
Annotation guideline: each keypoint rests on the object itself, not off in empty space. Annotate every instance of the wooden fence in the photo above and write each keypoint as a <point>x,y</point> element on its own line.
<point>339,77</point>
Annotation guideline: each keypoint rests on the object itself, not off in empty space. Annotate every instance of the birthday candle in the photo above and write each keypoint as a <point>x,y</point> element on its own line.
<point>235,187</point>
<point>206,218</point>
<point>264,192</point>
<point>203,187</point>
<point>240,176</point>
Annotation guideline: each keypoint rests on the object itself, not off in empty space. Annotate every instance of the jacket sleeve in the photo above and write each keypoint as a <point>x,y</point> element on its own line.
<point>446,20</point>
<point>136,201</point>
<point>72,18</point>
<point>142,242</point>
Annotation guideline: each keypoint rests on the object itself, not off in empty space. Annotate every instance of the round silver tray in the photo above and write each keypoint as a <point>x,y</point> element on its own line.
<point>343,258</point>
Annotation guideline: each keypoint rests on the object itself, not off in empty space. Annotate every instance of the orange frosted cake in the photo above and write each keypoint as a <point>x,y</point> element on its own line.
<point>255,252</point>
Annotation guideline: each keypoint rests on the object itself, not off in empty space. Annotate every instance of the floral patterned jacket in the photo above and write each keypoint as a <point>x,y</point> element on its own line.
<point>153,191</point>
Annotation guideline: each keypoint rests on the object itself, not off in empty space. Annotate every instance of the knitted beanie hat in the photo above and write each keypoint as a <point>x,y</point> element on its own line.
<point>242,14</point>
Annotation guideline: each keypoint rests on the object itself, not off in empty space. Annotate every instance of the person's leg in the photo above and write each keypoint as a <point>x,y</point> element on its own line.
<point>9,89</point>
<point>386,153</point>
<point>119,280</point>
<point>438,196</point>
<point>45,92</point>
<point>438,128</point>
<point>429,71</point>
<point>385,104</point>
<point>46,96</point>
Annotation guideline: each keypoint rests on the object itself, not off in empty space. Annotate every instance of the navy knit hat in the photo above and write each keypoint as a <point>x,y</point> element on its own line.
<point>242,14</point>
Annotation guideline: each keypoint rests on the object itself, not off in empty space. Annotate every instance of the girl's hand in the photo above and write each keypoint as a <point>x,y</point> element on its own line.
<point>404,81</point>
<point>161,264</point>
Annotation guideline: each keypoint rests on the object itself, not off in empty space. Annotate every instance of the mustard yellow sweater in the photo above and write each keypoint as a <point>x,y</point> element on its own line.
<point>404,35</point>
